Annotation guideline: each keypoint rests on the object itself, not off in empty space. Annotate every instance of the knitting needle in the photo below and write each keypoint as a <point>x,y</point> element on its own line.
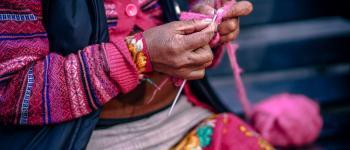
<point>177,97</point>
<point>215,16</point>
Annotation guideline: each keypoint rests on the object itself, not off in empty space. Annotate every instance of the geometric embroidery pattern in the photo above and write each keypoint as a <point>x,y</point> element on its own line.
<point>18,17</point>
<point>25,102</point>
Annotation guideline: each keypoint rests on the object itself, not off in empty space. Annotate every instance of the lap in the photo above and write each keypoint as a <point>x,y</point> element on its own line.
<point>222,131</point>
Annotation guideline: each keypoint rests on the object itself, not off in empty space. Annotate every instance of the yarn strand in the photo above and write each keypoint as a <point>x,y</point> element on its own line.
<point>242,95</point>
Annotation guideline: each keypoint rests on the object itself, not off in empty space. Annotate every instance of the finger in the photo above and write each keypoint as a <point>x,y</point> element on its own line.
<point>189,73</point>
<point>200,56</point>
<point>204,9</point>
<point>207,64</point>
<point>195,75</point>
<point>191,26</point>
<point>200,66</point>
<point>195,58</point>
<point>192,72</point>
<point>198,39</point>
<point>228,26</point>
<point>229,37</point>
<point>241,8</point>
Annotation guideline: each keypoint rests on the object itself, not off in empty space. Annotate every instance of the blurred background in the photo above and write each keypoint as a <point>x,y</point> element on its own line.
<point>296,46</point>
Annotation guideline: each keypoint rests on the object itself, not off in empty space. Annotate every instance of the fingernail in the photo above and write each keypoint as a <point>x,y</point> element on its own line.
<point>207,20</point>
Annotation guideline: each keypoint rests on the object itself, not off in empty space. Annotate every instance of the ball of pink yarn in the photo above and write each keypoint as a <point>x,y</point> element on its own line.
<point>288,120</point>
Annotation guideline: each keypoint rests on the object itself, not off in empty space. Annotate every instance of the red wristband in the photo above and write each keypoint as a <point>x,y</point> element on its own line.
<point>149,67</point>
<point>138,49</point>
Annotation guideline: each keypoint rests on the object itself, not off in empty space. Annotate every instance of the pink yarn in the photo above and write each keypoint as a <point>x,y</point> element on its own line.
<point>220,14</point>
<point>242,95</point>
<point>191,15</point>
<point>288,120</point>
<point>284,119</point>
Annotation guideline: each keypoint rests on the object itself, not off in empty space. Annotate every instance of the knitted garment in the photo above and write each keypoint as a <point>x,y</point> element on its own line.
<point>40,87</point>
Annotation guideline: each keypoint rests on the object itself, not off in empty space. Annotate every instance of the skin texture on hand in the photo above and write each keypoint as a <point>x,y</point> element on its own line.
<point>229,28</point>
<point>181,48</point>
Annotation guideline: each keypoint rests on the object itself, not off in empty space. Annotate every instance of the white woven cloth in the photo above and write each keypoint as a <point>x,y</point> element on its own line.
<point>158,132</point>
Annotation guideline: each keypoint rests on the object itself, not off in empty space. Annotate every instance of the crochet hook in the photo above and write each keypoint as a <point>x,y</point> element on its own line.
<point>177,97</point>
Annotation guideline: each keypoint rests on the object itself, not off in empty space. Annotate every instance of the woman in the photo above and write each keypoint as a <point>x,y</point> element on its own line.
<point>61,61</point>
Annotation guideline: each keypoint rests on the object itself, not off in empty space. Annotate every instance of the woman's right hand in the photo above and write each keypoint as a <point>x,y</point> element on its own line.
<point>181,48</point>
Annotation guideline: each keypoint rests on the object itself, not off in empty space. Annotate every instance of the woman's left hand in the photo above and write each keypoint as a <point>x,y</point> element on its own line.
<point>229,28</point>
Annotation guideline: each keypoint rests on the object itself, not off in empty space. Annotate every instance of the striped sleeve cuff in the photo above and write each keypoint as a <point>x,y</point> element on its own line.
<point>121,67</point>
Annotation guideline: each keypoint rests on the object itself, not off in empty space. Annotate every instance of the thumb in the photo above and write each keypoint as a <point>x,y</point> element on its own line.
<point>192,26</point>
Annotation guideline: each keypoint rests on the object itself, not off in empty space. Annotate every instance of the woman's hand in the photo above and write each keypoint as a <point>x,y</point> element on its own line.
<point>181,48</point>
<point>229,28</point>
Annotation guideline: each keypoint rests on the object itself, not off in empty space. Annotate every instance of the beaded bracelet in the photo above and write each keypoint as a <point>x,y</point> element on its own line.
<point>138,50</point>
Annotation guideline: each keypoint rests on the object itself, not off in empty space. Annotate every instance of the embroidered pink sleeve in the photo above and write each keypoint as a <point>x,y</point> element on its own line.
<point>47,88</point>
<point>39,87</point>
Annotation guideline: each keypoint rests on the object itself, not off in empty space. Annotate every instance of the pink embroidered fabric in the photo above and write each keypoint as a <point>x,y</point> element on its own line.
<point>40,87</point>
<point>231,133</point>
<point>140,19</point>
